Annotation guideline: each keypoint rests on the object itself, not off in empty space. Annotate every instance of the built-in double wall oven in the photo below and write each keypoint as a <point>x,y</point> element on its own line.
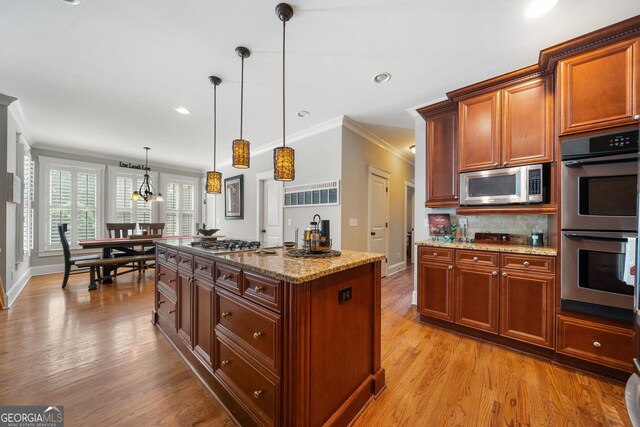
<point>599,224</point>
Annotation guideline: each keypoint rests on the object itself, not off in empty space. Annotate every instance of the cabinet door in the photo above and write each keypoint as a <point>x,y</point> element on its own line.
<point>435,290</point>
<point>442,160</point>
<point>527,307</point>
<point>203,319</point>
<point>184,307</point>
<point>479,127</point>
<point>527,123</point>
<point>476,293</point>
<point>599,89</point>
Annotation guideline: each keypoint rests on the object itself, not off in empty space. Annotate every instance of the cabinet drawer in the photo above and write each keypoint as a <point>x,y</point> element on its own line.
<point>203,267</point>
<point>428,253</point>
<point>166,308</point>
<point>485,259</point>
<point>259,391</point>
<point>228,277</point>
<point>603,344</point>
<point>172,256</point>
<point>263,290</point>
<point>185,262</point>
<point>167,276</point>
<point>536,263</point>
<point>161,253</point>
<point>254,329</point>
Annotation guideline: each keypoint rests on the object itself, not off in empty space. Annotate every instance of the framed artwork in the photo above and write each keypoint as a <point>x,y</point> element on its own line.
<point>234,197</point>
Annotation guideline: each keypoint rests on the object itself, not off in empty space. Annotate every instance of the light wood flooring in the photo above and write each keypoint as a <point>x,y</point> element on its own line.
<point>99,356</point>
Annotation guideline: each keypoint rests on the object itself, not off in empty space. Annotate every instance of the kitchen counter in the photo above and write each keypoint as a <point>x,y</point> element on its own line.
<point>516,249</point>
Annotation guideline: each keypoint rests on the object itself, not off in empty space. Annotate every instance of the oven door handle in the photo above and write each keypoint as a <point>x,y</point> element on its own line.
<point>581,163</point>
<point>584,236</point>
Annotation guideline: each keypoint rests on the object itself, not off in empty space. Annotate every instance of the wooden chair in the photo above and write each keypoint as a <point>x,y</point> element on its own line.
<point>119,230</point>
<point>70,261</point>
<point>153,228</point>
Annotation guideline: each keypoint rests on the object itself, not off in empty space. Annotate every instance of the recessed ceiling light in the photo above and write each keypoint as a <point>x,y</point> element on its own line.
<point>182,110</point>
<point>413,149</point>
<point>539,7</point>
<point>381,78</point>
<point>303,113</point>
<point>74,2</point>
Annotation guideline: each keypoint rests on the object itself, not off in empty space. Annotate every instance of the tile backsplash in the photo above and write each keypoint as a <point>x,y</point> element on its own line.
<point>518,226</point>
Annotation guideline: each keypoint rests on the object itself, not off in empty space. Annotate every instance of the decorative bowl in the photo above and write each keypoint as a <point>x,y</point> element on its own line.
<point>209,232</point>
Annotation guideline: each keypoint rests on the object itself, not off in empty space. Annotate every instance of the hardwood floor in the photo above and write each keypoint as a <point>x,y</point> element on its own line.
<point>99,356</point>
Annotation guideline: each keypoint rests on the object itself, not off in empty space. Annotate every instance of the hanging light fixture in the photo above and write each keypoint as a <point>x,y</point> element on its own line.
<point>241,146</point>
<point>146,190</point>
<point>284,157</point>
<point>214,179</point>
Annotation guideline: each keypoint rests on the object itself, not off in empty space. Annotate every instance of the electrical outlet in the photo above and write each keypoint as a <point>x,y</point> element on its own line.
<point>353,222</point>
<point>426,223</point>
<point>289,222</point>
<point>463,222</point>
<point>344,295</point>
<point>398,256</point>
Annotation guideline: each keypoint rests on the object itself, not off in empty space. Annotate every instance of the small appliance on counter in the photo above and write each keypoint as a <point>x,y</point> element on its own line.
<point>537,239</point>
<point>495,238</point>
<point>316,241</point>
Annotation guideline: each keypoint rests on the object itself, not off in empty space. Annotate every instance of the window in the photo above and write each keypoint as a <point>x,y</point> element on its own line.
<point>71,195</point>
<point>27,205</point>
<point>180,207</point>
<point>126,210</point>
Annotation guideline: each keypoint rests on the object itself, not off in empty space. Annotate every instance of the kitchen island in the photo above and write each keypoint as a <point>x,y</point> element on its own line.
<point>278,340</point>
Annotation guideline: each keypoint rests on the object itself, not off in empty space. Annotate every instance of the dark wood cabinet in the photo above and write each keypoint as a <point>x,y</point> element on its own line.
<point>184,306</point>
<point>203,316</point>
<point>599,89</point>
<point>442,159</point>
<point>435,290</point>
<point>508,127</point>
<point>476,294</point>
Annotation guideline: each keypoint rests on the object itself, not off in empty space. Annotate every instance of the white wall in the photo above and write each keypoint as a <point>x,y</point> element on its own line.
<point>420,231</point>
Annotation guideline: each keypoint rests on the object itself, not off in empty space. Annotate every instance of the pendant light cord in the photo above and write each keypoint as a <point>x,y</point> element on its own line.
<point>284,27</point>
<point>215,87</point>
<point>241,95</point>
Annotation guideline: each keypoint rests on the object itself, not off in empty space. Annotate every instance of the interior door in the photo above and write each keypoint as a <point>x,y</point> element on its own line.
<point>271,212</point>
<point>379,216</point>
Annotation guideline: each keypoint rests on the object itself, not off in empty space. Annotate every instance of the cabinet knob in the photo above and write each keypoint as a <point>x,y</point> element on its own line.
<point>226,314</point>
<point>203,267</point>
<point>505,163</point>
<point>636,117</point>
<point>455,197</point>
<point>257,335</point>
<point>171,256</point>
<point>258,289</point>
<point>184,261</point>
<point>171,311</point>
<point>451,267</point>
<point>257,393</point>
<point>495,273</point>
<point>475,259</point>
<point>504,274</point>
<point>172,280</point>
<point>596,344</point>
<point>225,362</point>
<point>496,164</point>
<point>162,274</point>
<point>226,277</point>
<point>435,254</point>
<point>526,263</point>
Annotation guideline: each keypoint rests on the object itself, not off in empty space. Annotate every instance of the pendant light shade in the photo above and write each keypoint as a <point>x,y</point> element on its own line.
<point>240,147</point>
<point>214,179</point>
<point>284,168</point>
<point>146,191</point>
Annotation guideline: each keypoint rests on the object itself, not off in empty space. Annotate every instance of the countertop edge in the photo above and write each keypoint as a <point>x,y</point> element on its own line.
<point>514,249</point>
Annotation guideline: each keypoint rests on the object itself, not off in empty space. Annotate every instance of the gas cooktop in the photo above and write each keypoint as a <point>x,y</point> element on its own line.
<point>226,245</point>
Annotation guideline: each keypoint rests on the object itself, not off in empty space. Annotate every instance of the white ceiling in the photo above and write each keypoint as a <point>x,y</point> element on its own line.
<point>105,76</point>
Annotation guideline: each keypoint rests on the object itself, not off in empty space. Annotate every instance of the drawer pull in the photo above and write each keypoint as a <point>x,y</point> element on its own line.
<point>596,344</point>
<point>504,274</point>
<point>495,273</point>
<point>451,267</point>
<point>435,254</point>
<point>225,362</point>
<point>526,263</point>
<point>226,314</point>
<point>475,259</point>
<point>184,261</point>
<point>171,311</point>
<point>162,274</point>
<point>258,289</point>
<point>258,393</point>
<point>171,256</point>
<point>257,335</point>
<point>226,277</point>
<point>203,267</point>
<point>172,280</point>
<point>161,302</point>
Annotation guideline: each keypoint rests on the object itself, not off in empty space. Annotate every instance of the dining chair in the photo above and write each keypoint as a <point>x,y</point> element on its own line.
<point>70,261</point>
<point>119,230</point>
<point>153,228</point>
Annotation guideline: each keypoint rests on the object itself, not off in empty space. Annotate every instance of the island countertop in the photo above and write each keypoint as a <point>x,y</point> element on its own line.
<point>516,249</point>
<point>280,265</point>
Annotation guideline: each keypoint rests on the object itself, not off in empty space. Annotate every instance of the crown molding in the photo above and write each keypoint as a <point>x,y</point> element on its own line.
<point>358,129</point>
<point>6,99</point>
<point>21,120</point>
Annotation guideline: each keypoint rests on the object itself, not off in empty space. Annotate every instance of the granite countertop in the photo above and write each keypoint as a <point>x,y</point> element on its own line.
<point>516,249</point>
<point>280,265</point>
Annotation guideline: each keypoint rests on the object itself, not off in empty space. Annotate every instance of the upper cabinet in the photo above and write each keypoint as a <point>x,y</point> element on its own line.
<point>599,89</point>
<point>508,127</point>
<point>442,161</point>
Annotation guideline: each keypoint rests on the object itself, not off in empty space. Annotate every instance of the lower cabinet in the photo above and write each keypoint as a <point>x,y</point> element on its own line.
<point>185,304</point>
<point>435,295</point>
<point>203,319</point>
<point>476,293</point>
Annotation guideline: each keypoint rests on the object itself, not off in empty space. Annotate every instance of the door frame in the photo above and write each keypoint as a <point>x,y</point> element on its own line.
<point>260,178</point>
<point>373,170</point>
<point>408,184</point>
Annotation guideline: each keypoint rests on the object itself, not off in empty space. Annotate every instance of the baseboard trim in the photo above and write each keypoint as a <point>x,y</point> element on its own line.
<point>46,269</point>
<point>396,268</point>
<point>18,286</point>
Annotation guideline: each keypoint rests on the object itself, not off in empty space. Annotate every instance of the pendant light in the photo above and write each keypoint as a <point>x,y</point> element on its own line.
<point>241,146</point>
<point>284,157</point>
<point>214,178</point>
<point>146,190</point>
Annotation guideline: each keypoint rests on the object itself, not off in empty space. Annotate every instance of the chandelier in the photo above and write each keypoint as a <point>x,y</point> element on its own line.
<point>146,190</point>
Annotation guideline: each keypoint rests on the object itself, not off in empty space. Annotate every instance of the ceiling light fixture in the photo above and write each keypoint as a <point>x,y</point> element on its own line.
<point>240,146</point>
<point>73,2</point>
<point>146,190</point>
<point>413,149</point>
<point>182,110</point>
<point>381,78</point>
<point>303,113</point>
<point>539,7</point>
<point>214,178</point>
<point>284,168</point>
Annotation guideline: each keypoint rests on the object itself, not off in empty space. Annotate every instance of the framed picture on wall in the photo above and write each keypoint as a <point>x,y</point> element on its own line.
<point>234,197</point>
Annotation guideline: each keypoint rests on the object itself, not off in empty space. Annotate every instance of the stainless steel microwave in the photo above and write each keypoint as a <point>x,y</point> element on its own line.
<point>506,186</point>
